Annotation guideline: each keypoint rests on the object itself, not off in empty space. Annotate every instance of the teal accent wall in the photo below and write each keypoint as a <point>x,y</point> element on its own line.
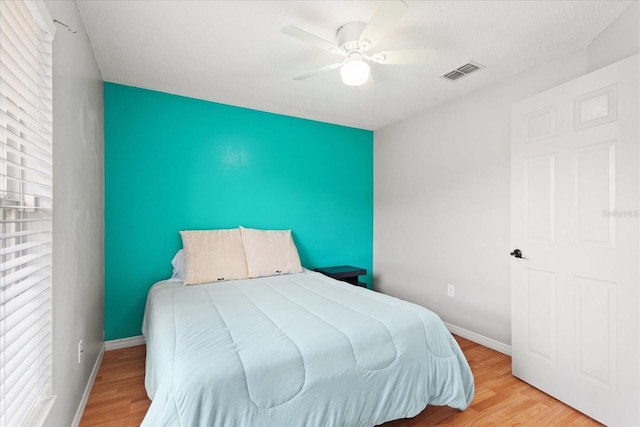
<point>174,163</point>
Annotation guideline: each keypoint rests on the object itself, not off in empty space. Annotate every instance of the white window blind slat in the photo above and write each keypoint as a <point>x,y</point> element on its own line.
<point>44,366</point>
<point>24,94</point>
<point>24,303</point>
<point>18,322</point>
<point>30,174</point>
<point>23,21</point>
<point>21,247</point>
<point>12,53</point>
<point>8,149</point>
<point>18,409</point>
<point>19,234</point>
<point>26,175</point>
<point>44,369</point>
<point>20,364</point>
<point>15,62</point>
<point>20,261</point>
<point>26,116</point>
<point>16,41</point>
<point>32,327</point>
<point>32,183</point>
<point>13,100</point>
<point>27,203</point>
<point>22,16</point>
<point>19,144</point>
<point>13,291</point>
<point>17,351</point>
<point>15,128</point>
<point>26,123</point>
<point>45,89</point>
<point>22,360</point>
<point>21,274</point>
<point>35,333</point>
<point>24,221</point>
<point>16,36</point>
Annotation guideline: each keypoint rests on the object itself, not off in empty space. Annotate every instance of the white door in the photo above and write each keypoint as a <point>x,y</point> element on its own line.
<point>574,216</point>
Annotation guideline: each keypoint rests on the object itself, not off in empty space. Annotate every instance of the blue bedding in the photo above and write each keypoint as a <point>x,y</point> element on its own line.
<point>294,350</point>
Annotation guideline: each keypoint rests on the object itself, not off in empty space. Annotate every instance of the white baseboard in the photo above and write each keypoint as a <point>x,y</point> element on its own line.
<point>480,339</point>
<point>124,343</point>
<point>87,389</point>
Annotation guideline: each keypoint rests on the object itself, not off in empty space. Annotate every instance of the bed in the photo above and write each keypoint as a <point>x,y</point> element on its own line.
<point>296,349</point>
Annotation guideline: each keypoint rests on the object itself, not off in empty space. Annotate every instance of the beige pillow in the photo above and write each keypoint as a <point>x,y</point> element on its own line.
<point>213,255</point>
<point>270,252</point>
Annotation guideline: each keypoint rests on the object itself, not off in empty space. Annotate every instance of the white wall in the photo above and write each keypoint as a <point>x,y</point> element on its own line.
<point>620,40</point>
<point>441,192</point>
<point>78,219</point>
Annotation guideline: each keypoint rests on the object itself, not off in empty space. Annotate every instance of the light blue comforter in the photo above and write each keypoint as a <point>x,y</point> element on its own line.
<point>295,350</point>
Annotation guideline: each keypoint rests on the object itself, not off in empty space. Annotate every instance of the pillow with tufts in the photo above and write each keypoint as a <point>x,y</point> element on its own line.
<point>213,255</point>
<point>270,252</point>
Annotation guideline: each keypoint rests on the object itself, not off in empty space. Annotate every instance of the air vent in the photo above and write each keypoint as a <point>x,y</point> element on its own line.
<point>453,75</point>
<point>462,71</point>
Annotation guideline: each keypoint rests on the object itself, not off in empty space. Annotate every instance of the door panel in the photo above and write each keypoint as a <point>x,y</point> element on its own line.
<point>595,190</point>
<point>539,196</point>
<point>541,310</point>
<point>595,326</point>
<point>540,124</point>
<point>595,108</point>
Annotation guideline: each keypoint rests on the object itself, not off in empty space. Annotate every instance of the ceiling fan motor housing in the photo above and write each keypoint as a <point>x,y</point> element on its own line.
<point>348,37</point>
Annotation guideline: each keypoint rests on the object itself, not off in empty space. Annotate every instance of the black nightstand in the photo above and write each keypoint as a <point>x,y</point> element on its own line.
<point>345,273</point>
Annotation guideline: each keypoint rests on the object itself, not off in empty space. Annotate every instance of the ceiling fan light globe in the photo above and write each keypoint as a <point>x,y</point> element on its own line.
<point>354,73</point>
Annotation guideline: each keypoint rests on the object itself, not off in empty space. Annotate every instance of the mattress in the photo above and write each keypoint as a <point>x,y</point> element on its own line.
<point>294,350</point>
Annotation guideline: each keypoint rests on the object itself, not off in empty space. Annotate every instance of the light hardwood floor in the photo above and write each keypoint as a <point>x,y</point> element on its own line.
<point>118,397</point>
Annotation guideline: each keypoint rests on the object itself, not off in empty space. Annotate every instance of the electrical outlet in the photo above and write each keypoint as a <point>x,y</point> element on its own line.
<point>451,290</point>
<point>80,351</point>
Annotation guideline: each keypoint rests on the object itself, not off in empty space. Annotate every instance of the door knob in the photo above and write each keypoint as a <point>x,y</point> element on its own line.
<point>516,253</point>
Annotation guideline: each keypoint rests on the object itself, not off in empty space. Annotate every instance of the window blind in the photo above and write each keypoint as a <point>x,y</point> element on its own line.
<point>25,209</point>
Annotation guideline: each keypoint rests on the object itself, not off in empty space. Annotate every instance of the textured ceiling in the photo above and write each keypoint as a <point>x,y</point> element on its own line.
<point>232,52</point>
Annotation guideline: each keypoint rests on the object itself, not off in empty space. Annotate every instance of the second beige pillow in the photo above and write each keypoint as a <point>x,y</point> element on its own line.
<point>270,252</point>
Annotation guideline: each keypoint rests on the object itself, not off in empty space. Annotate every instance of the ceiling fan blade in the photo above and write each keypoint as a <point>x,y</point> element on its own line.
<point>306,37</point>
<point>382,22</point>
<point>405,56</point>
<point>318,71</point>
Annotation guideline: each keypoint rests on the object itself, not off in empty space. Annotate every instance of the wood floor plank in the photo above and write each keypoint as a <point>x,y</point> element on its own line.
<point>118,397</point>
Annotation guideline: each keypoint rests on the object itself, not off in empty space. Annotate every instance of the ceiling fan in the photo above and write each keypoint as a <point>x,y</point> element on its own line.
<point>354,42</point>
